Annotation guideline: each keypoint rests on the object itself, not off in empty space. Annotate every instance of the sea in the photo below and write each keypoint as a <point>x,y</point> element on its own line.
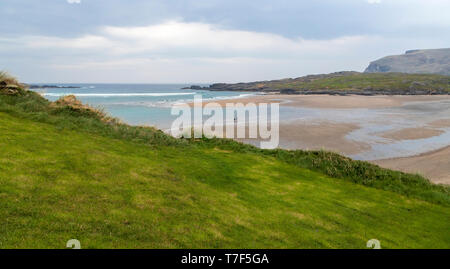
<point>137,104</point>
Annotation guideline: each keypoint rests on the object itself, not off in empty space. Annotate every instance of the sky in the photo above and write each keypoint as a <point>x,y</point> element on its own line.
<point>205,41</point>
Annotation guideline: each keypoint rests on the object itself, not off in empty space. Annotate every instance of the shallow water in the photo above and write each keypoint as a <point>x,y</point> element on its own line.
<point>412,115</point>
<point>136,104</point>
<point>373,122</point>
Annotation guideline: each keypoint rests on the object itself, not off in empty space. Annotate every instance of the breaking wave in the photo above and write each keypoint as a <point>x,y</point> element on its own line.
<point>119,94</point>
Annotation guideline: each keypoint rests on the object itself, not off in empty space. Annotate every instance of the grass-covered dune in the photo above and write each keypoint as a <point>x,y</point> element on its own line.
<point>348,83</point>
<point>68,171</point>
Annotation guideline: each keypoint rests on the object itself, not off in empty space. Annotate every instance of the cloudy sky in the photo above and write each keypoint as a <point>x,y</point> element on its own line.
<point>176,41</point>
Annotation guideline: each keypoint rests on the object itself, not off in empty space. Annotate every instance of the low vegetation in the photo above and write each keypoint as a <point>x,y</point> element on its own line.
<point>350,83</point>
<point>69,171</point>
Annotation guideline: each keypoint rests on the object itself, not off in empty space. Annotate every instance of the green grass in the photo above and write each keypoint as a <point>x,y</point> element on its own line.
<point>64,173</point>
<point>377,81</point>
<point>359,172</point>
<point>398,83</point>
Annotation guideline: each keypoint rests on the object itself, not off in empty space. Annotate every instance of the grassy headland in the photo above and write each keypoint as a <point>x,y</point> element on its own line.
<point>348,83</point>
<point>70,171</point>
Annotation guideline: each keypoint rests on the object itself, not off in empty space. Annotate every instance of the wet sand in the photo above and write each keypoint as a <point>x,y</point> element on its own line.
<point>434,165</point>
<point>323,135</point>
<point>316,136</point>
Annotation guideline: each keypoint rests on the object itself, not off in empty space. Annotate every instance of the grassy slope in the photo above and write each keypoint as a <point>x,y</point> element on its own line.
<point>385,81</point>
<point>65,175</point>
<point>57,185</point>
<point>353,81</point>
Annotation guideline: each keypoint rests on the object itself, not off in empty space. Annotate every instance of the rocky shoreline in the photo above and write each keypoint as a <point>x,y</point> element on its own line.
<point>328,92</point>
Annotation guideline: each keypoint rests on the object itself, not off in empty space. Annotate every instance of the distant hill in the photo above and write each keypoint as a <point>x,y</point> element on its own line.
<point>430,61</point>
<point>342,83</point>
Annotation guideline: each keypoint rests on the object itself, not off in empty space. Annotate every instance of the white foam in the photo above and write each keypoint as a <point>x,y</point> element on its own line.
<point>243,95</point>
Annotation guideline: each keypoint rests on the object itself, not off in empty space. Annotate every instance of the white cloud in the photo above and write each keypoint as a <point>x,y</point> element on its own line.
<point>84,42</point>
<point>374,1</point>
<point>177,51</point>
<point>181,39</point>
<point>74,1</point>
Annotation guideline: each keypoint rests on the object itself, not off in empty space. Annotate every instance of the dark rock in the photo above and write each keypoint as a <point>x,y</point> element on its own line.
<point>193,87</point>
<point>377,68</point>
<point>10,89</point>
<point>288,91</point>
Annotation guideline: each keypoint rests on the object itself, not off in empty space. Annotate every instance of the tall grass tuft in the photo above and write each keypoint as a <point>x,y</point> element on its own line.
<point>7,79</point>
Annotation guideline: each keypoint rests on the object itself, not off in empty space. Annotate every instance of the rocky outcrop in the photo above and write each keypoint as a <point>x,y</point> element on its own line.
<point>193,87</point>
<point>431,61</point>
<point>10,89</point>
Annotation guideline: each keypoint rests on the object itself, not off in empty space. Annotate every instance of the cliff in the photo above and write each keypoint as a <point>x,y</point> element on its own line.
<point>430,61</point>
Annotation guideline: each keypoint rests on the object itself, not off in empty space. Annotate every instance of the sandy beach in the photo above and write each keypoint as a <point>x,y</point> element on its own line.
<point>330,134</point>
<point>435,165</point>
<point>334,101</point>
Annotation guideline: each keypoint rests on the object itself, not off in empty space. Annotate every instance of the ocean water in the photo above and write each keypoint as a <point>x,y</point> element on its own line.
<point>136,104</point>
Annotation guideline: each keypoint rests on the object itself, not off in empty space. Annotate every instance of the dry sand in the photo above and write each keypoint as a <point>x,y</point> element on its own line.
<point>434,165</point>
<point>333,101</point>
<point>411,133</point>
<point>442,123</point>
